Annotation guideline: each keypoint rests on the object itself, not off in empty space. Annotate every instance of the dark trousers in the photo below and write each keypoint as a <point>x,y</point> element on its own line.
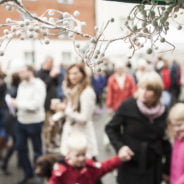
<point>8,154</point>
<point>175,92</point>
<point>3,117</point>
<point>23,133</point>
<point>99,99</point>
<point>3,133</point>
<point>10,128</point>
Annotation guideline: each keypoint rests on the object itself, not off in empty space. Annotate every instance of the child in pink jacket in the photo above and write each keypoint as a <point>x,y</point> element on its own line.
<point>176,133</point>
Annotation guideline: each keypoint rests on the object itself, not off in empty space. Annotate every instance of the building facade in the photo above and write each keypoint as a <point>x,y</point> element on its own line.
<point>34,51</point>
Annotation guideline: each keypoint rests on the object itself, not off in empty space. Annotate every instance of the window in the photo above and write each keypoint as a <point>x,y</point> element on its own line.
<point>29,57</point>
<point>65,1</point>
<point>67,57</point>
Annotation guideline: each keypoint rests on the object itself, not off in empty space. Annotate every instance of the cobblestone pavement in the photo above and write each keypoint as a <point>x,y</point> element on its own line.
<point>105,151</point>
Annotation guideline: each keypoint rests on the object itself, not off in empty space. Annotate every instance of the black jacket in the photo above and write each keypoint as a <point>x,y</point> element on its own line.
<point>3,90</point>
<point>51,85</point>
<point>130,127</point>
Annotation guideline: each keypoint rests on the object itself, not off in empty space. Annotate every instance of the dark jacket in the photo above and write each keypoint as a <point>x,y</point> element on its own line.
<point>130,127</point>
<point>51,85</point>
<point>175,75</point>
<point>98,83</point>
<point>3,90</point>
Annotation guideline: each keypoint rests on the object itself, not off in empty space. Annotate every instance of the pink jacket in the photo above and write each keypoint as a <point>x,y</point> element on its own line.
<point>116,95</point>
<point>177,162</point>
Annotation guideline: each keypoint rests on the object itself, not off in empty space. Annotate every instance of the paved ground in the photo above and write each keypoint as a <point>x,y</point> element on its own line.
<point>104,153</point>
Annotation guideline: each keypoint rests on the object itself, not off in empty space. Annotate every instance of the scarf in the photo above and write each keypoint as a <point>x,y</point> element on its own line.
<point>151,112</point>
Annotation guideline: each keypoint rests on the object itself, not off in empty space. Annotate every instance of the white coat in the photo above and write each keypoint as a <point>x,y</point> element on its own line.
<point>82,122</point>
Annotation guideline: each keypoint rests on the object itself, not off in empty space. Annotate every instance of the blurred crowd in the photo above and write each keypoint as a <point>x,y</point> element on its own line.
<point>48,106</point>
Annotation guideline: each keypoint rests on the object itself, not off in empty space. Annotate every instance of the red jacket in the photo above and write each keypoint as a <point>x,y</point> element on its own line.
<point>116,95</point>
<point>165,74</point>
<point>67,174</point>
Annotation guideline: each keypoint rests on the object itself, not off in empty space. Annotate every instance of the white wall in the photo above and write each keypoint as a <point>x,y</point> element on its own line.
<point>15,53</point>
<point>107,9</point>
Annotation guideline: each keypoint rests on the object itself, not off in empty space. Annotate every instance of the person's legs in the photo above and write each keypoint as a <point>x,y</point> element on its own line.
<point>9,152</point>
<point>3,133</point>
<point>35,136</point>
<point>175,92</point>
<point>54,132</point>
<point>47,131</point>
<point>97,99</point>
<point>100,100</point>
<point>2,146</point>
<point>22,148</point>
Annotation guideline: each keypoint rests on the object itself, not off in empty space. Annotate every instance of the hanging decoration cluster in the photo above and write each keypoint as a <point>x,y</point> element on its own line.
<point>144,23</point>
<point>152,22</point>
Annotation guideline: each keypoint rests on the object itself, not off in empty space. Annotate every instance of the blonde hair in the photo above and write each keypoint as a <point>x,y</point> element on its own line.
<point>76,141</point>
<point>176,113</point>
<point>152,81</point>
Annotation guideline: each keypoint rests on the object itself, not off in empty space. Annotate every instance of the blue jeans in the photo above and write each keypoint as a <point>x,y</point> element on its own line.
<point>24,132</point>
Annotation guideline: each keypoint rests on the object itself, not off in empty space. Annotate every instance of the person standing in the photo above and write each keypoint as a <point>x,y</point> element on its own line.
<point>49,75</point>
<point>166,77</point>
<point>175,87</point>
<point>140,125</point>
<point>141,69</point>
<point>98,82</point>
<point>30,114</point>
<point>120,86</point>
<point>10,124</point>
<point>79,110</point>
<point>61,77</point>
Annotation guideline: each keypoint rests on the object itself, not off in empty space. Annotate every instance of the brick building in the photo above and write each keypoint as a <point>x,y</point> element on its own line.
<point>85,7</point>
<point>62,50</point>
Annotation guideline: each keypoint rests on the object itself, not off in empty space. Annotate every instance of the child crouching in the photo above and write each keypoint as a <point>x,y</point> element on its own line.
<point>76,168</point>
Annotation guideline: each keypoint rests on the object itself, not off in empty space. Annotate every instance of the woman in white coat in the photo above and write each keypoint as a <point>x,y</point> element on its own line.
<point>79,109</point>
